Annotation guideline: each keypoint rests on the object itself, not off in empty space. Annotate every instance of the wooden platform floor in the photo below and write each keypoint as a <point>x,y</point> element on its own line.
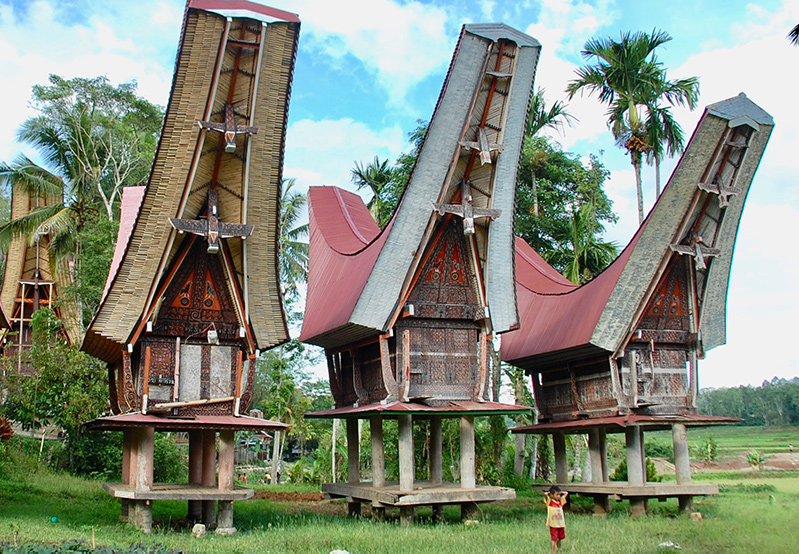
<point>620,489</point>
<point>177,491</point>
<point>423,493</point>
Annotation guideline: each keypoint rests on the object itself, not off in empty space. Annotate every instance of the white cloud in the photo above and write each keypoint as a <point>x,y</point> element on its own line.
<point>400,44</point>
<point>324,152</point>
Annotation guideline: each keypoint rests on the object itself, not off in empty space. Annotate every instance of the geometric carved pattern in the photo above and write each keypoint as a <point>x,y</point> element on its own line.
<point>668,309</point>
<point>447,288</point>
<point>198,297</point>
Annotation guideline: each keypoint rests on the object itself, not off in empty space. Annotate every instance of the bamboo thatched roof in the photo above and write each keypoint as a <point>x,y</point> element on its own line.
<point>238,66</point>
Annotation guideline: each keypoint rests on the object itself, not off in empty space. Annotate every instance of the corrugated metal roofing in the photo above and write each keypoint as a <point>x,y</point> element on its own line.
<point>129,212</point>
<point>164,423</point>
<point>555,313</point>
<point>453,409</point>
<point>650,423</point>
<point>344,244</point>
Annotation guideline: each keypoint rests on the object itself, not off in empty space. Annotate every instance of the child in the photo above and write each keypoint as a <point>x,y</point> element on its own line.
<point>554,500</point>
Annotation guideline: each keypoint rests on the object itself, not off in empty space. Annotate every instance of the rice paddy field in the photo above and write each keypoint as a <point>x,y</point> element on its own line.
<point>755,511</point>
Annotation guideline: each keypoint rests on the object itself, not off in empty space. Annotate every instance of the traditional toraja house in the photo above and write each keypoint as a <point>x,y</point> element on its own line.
<point>194,291</point>
<point>406,315</point>
<point>620,353</point>
<point>31,281</point>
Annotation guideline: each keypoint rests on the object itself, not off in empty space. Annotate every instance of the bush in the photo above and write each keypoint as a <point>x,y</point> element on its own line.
<point>651,472</point>
<point>659,449</point>
<point>708,450</point>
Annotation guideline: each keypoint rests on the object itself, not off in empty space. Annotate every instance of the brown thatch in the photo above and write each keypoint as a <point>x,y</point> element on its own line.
<point>186,163</point>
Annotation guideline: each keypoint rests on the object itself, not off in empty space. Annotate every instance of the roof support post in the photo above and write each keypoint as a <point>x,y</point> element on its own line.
<point>406,469</point>
<point>195,512</point>
<point>436,448</point>
<point>209,477</point>
<point>467,452</point>
<point>227,446</point>
<point>353,460</point>
<point>636,472</point>
<point>561,458</point>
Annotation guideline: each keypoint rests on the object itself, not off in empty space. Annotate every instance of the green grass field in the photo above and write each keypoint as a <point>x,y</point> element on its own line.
<point>752,513</point>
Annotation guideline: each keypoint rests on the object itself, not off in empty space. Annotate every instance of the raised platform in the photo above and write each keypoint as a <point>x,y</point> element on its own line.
<point>177,491</point>
<point>618,490</point>
<point>424,493</point>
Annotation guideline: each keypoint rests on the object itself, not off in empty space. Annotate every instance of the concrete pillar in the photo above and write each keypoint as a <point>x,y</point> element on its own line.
<point>195,512</point>
<point>682,463</point>
<point>436,451</point>
<point>468,480</point>
<point>468,511</point>
<point>209,477</point>
<point>227,448</point>
<point>561,457</point>
<point>406,469</point>
<point>636,473</point>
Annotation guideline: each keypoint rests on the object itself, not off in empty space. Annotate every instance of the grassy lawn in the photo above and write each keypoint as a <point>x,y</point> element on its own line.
<point>750,514</point>
<point>754,512</point>
<point>734,440</point>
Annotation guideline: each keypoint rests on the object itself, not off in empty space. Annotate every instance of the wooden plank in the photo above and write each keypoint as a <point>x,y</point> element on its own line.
<point>177,491</point>
<point>424,493</point>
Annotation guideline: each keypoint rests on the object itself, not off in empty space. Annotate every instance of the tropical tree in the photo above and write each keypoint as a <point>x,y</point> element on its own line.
<point>93,138</point>
<point>376,176</point>
<point>664,137</point>
<point>580,253</point>
<point>793,35</point>
<point>627,76</point>
<point>293,250</point>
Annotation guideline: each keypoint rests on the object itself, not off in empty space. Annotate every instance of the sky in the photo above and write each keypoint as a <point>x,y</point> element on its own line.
<point>367,70</point>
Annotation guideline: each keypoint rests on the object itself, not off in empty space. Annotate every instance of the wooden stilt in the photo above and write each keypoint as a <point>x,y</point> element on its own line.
<point>636,474</point>
<point>682,463</point>
<point>406,464</point>
<point>597,475</point>
<point>603,501</point>
<point>195,511</point>
<point>142,477</point>
<point>468,511</point>
<point>436,448</point>
<point>468,480</point>
<point>561,457</point>
<point>209,477</point>
<point>127,446</point>
<point>407,513</point>
<point>353,463</point>
<point>378,463</point>
<point>227,446</point>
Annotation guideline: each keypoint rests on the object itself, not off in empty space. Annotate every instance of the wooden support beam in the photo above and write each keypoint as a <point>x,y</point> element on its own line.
<point>142,477</point>
<point>209,477</point>
<point>227,447</point>
<point>595,456</point>
<point>468,480</point>
<point>436,450</point>
<point>353,462</point>
<point>636,471</point>
<point>682,463</point>
<point>195,510</point>
<point>561,457</point>
<point>378,451</point>
<point>406,463</point>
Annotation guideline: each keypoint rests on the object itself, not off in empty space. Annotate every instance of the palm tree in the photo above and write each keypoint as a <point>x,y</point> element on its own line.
<point>794,36</point>
<point>628,78</point>
<point>541,118</point>
<point>581,254</point>
<point>293,251</point>
<point>664,137</point>
<point>377,176</point>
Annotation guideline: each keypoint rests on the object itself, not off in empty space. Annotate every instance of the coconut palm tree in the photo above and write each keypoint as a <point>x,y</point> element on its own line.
<point>377,176</point>
<point>539,119</point>
<point>293,250</point>
<point>794,35</point>
<point>627,77</point>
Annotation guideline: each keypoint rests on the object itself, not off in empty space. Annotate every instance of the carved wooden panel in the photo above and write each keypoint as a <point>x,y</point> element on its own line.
<point>669,307</point>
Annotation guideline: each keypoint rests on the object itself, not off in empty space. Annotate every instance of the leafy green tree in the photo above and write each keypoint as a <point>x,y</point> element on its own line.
<point>68,386</point>
<point>94,139</point>
<point>629,79</point>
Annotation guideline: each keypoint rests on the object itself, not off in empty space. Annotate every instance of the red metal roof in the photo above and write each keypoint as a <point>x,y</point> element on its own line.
<point>451,409</point>
<point>620,422</point>
<point>344,244</point>
<point>163,423</point>
<point>238,6</point>
<point>131,202</point>
<point>555,314</point>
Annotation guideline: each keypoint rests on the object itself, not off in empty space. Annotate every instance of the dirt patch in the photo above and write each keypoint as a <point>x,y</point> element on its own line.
<point>288,496</point>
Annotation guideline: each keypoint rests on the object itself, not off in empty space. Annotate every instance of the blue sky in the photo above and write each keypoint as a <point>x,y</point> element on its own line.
<point>367,70</point>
